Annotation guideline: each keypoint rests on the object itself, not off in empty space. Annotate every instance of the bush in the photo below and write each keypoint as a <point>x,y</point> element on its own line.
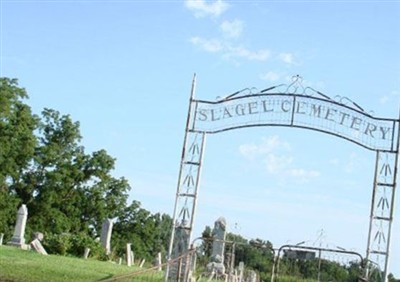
<point>74,245</point>
<point>59,244</point>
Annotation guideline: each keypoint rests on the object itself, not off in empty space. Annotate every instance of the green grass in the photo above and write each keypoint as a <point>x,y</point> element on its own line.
<point>17,265</point>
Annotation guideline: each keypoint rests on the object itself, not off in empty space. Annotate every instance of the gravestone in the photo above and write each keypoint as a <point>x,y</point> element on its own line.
<point>1,238</point>
<point>37,246</point>
<point>180,247</point>
<point>86,253</point>
<point>18,238</point>
<point>38,235</point>
<point>216,264</point>
<point>142,263</point>
<point>105,238</point>
<point>252,276</point>
<point>241,269</point>
<point>128,255</point>
<point>159,262</point>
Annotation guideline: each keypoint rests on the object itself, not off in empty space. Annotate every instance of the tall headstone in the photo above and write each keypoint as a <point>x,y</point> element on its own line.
<point>18,238</point>
<point>105,238</point>
<point>241,269</point>
<point>252,276</point>
<point>1,238</point>
<point>159,262</point>
<point>216,264</point>
<point>142,263</point>
<point>181,246</point>
<point>128,255</point>
<point>219,234</point>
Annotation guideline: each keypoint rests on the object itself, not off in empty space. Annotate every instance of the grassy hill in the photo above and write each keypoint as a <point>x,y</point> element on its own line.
<point>17,265</point>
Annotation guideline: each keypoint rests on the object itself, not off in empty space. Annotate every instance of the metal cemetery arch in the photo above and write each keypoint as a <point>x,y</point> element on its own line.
<point>291,106</point>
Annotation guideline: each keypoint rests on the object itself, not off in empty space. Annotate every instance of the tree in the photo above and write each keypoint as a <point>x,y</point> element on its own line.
<point>148,234</point>
<point>17,146</point>
<point>43,165</point>
<point>391,278</point>
<point>65,189</point>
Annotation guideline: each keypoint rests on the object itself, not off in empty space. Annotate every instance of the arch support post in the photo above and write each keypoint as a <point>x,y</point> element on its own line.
<point>381,216</point>
<point>186,197</point>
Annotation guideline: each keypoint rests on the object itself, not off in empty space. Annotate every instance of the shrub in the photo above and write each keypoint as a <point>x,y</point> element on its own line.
<point>74,245</point>
<point>57,243</point>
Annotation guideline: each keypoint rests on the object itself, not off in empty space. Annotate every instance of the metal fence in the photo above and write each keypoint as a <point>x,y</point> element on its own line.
<point>258,262</point>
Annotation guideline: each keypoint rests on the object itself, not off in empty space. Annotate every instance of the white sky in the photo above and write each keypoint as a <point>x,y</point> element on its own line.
<point>123,69</point>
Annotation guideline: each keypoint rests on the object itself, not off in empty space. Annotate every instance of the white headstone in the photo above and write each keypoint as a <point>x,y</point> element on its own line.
<point>105,238</point>
<point>38,235</point>
<point>1,238</point>
<point>128,255</point>
<point>18,238</point>
<point>216,264</point>
<point>159,262</point>
<point>241,268</point>
<point>86,253</point>
<point>142,263</point>
<point>252,276</point>
<point>219,234</point>
<point>37,246</point>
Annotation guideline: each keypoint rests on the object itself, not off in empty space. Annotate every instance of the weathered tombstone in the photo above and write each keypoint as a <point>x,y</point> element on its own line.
<point>218,248</point>
<point>105,238</point>
<point>128,255</point>
<point>181,246</point>
<point>18,238</point>
<point>219,234</point>
<point>159,262</point>
<point>38,235</point>
<point>241,268</point>
<point>142,263</point>
<point>252,276</point>
<point>1,238</point>
<point>37,246</point>
<point>133,258</point>
<point>86,253</point>
<point>120,261</point>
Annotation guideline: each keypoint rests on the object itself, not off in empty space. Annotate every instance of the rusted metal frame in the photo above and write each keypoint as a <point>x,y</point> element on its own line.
<point>274,277</point>
<point>392,204</point>
<point>196,187</point>
<point>372,212</point>
<point>178,191</point>
<point>375,218</point>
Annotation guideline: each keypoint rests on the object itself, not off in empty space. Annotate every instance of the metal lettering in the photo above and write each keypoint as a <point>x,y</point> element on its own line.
<point>370,128</point>
<point>344,116</point>
<point>330,112</point>
<point>283,104</point>
<point>384,132</point>
<point>213,118</point>
<point>253,106</point>
<point>226,114</point>
<point>356,122</point>
<point>266,110</point>
<point>202,115</point>
<point>300,106</point>
<point>240,110</point>
<point>315,110</point>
